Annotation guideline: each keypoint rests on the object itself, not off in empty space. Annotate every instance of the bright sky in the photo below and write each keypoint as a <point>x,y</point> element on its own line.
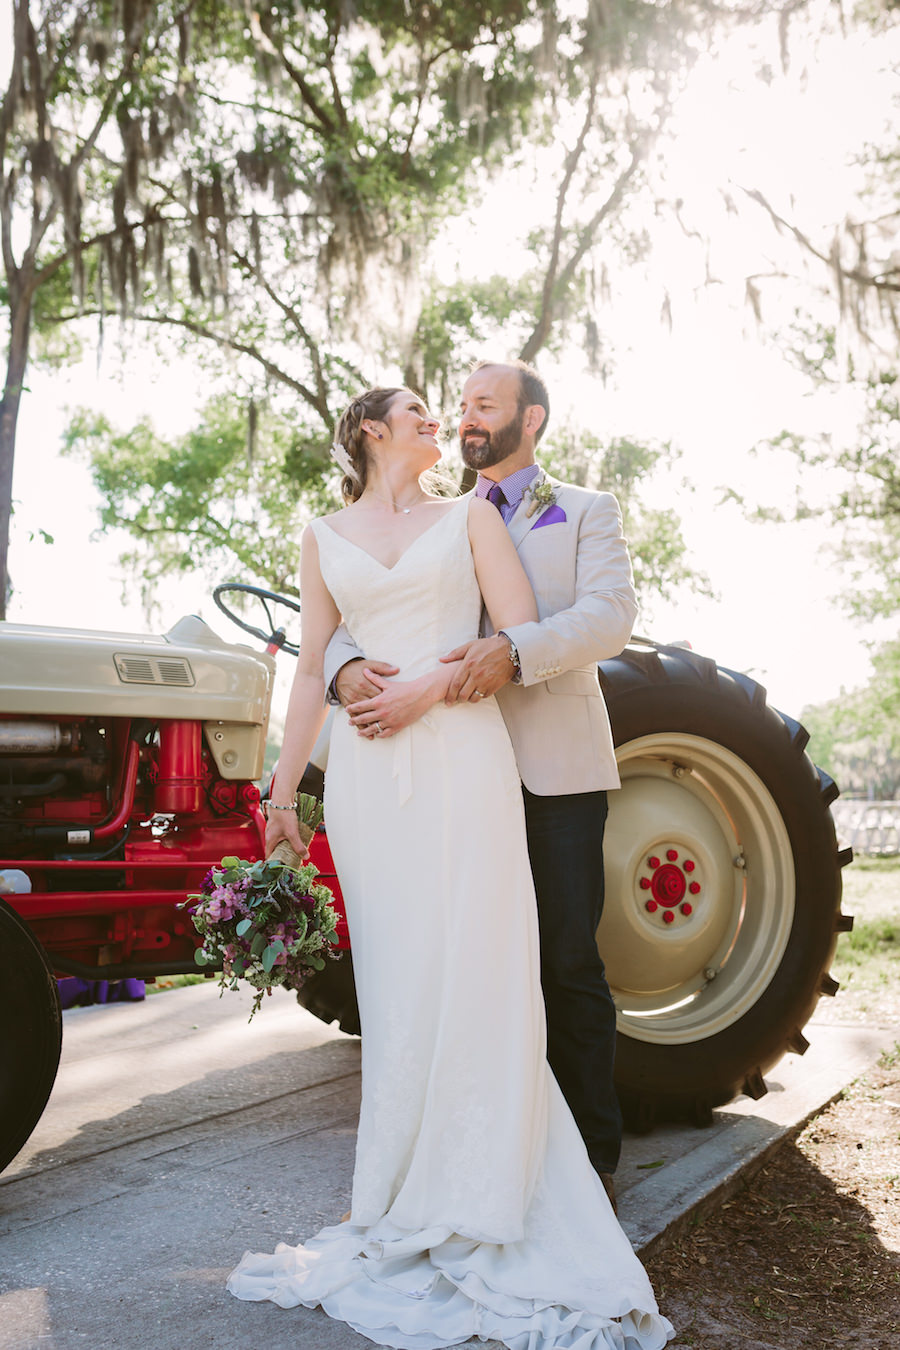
<point>710,386</point>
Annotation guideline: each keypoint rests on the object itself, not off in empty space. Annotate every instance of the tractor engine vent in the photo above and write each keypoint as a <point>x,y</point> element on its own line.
<point>139,669</point>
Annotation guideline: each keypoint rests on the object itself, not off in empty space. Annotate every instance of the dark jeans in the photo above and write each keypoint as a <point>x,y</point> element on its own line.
<point>565,845</point>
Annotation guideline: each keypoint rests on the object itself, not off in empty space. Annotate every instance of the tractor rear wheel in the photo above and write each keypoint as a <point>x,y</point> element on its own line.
<point>723,884</point>
<point>31,1036</point>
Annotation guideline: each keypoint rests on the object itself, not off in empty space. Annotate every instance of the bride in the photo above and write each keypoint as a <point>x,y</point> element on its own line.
<point>475,1209</point>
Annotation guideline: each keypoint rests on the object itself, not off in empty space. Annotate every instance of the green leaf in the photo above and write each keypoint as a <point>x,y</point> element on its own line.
<point>660,1162</point>
<point>242,927</point>
<point>200,957</point>
<point>258,944</point>
<point>269,956</point>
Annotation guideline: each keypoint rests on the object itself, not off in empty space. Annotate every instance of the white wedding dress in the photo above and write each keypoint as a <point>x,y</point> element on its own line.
<point>476,1212</point>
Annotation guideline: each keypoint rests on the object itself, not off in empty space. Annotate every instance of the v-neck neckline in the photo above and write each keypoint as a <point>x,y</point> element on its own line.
<point>377,561</point>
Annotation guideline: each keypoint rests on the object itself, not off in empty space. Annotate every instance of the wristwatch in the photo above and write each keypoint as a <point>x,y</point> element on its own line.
<point>513,654</point>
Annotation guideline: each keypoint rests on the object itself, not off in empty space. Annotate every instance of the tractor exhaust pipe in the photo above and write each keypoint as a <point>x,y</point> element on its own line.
<point>33,738</point>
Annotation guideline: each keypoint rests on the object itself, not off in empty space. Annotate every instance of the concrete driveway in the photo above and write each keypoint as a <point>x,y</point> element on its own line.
<point>178,1135</point>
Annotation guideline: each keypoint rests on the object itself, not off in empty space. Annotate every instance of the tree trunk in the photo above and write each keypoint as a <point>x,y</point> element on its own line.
<point>20,332</point>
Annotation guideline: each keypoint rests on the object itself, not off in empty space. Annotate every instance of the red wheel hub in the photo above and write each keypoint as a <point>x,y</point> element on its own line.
<point>668,885</point>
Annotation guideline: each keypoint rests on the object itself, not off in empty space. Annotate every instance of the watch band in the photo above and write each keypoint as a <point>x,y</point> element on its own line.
<point>513,654</point>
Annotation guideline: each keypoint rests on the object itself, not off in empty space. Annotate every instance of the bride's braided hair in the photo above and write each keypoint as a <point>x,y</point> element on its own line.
<point>373,405</point>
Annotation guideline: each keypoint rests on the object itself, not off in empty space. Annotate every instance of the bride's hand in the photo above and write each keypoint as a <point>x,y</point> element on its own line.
<point>398,705</point>
<point>283,825</point>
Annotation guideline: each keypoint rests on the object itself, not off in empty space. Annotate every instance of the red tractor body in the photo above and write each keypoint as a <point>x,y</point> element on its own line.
<point>114,812</point>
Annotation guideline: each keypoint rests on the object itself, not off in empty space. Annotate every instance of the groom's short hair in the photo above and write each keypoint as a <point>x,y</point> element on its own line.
<point>532,389</point>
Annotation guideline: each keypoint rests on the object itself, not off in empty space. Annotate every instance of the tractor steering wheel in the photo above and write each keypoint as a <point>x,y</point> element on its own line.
<point>274,639</point>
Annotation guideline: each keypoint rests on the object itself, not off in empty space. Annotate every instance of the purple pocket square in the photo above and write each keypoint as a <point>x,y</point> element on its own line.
<point>554,515</point>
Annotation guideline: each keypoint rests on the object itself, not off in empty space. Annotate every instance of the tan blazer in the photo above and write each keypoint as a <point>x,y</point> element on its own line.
<point>581,575</point>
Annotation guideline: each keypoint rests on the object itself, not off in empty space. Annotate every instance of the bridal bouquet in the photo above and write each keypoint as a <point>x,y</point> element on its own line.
<point>269,923</point>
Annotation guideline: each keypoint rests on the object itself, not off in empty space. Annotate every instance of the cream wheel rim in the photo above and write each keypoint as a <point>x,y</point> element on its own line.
<point>700,889</point>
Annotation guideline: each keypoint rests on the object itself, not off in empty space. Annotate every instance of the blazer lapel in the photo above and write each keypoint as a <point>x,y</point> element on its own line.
<point>521,522</point>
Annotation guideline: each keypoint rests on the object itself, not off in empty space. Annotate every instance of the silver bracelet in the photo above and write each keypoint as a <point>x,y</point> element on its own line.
<point>273,806</point>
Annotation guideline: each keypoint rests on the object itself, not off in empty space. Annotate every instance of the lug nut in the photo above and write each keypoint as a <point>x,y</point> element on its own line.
<point>651,906</point>
<point>646,883</point>
<point>689,866</point>
<point>687,908</point>
<point>694,888</point>
<point>653,862</point>
<point>668,917</point>
<point>672,855</point>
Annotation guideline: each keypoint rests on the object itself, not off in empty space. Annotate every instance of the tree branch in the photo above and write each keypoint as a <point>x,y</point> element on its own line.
<point>221,340</point>
<point>306,93</point>
<point>549,291</point>
<point>293,317</point>
<point>878,282</point>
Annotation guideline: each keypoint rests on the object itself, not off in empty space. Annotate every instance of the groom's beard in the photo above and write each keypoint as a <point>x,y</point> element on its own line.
<point>480,449</point>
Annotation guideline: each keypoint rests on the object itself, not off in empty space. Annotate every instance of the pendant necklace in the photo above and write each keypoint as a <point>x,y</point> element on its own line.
<point>405,510</point>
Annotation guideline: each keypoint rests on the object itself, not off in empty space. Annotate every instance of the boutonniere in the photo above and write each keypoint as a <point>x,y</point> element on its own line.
<point>540,492</point>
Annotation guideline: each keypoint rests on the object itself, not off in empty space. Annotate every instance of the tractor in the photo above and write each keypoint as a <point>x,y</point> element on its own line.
<point>131,763</point>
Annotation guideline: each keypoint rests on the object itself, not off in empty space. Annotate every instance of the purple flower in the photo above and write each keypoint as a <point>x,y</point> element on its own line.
<point>220,907</point>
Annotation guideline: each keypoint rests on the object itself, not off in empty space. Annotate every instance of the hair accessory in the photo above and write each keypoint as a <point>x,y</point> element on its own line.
<point>344,462</point>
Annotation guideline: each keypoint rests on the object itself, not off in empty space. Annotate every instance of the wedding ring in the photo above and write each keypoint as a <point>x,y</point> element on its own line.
<point>378,728</point>
<point>476,693</point>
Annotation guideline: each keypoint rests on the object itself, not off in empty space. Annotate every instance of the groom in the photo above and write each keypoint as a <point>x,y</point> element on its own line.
<point>545,677</point>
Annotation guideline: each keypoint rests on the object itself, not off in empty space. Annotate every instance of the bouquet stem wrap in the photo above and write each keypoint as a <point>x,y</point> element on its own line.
<point>286,853</point>
<point>309,816</point>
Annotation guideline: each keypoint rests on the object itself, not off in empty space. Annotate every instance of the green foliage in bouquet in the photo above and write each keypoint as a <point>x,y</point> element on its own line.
<point>268,923</point>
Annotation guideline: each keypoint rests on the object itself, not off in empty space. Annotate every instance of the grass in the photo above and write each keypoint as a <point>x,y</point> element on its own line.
<point>869,957</point>
<point>871,938</point>
<point>172,982</point>
<point>872,887</point>
<point>889,1059</point>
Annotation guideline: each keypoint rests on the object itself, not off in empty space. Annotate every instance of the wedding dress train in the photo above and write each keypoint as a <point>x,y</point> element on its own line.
<point>475,1212</point>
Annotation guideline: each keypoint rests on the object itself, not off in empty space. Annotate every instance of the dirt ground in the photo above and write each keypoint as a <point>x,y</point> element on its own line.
<point>807,1255</point>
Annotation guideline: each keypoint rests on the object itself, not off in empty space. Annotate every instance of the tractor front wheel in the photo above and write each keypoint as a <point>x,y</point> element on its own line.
<point>30,1033</point>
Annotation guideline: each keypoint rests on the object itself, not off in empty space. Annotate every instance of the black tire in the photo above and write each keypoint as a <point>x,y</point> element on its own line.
<point>711,998</point>
<point>331,994</point>
<point>31,1036</point>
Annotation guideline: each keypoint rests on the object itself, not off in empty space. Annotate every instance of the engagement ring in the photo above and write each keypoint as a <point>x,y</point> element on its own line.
<point>378,728</point>
<point>476,693</point>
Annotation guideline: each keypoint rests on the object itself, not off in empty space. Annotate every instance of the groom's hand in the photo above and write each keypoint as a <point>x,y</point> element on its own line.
<point>484,668</point>
<point>352,684</point>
